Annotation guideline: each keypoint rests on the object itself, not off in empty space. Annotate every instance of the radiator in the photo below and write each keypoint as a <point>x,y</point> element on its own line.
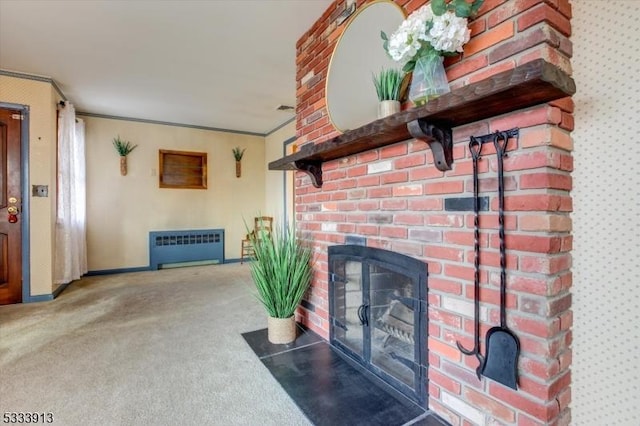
<point>185,246</point>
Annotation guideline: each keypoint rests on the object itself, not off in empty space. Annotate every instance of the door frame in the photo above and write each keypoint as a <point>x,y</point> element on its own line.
<point>26,200</point>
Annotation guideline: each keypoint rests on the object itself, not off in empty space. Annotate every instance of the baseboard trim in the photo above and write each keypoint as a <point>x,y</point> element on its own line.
<point>118,271</point>
<point>140,269</point>
<point>39,298</point>
<point>60,289</point>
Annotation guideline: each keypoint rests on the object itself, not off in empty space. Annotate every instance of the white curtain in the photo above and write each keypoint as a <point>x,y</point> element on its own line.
<point>71,245</point>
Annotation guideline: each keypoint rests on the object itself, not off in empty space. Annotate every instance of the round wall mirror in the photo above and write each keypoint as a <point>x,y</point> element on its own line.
<point>351,96</point>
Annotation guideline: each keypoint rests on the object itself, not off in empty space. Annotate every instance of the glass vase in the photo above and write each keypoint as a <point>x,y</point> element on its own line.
<point>429,79</point>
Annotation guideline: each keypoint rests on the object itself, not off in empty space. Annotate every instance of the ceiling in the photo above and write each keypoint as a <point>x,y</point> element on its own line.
<point>225,64</point>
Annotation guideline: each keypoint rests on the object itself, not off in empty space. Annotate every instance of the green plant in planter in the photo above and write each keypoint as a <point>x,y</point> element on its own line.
<point>388,83</point>
<point>281,270</point>
<point>238,153</point>
<point>124,148</point>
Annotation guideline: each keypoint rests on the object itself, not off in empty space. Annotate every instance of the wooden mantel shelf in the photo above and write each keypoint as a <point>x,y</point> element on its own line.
<point>527,85</point>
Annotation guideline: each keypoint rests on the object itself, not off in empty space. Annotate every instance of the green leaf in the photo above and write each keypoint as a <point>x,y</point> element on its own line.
<point>477,4</point>
<point>438,7</point>
<point>123,147</point>
<point>463,9</point>
<point>384,36</point>
<point>238,153</point>
<point>409,66</point>
<point>387,84</point>
<point>428,25</point>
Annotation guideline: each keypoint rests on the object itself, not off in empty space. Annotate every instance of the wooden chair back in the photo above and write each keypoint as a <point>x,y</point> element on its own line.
<point>263,224</point>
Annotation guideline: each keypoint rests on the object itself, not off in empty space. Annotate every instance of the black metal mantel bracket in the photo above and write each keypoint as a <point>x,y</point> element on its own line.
<point>313,168</point>
<point>439,138</point>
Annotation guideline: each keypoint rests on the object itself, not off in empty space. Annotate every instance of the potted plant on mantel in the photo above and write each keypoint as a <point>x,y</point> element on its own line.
<point>388,83</point>
<point>281,270</point>
<point>431,32</point>
<point>124,148</point>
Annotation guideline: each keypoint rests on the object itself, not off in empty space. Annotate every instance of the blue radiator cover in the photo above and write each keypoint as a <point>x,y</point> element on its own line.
<point>185,246</point>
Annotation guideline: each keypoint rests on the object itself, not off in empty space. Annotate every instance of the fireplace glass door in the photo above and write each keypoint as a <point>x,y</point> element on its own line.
<point>392,318</point>
<point>378,314</point>
<point>349,308</point>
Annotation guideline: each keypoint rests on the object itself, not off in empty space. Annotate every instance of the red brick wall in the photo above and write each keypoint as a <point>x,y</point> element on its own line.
<point>394,196</point>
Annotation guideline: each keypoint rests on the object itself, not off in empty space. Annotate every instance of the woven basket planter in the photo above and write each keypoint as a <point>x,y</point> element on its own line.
<point>123,165</point>
<point>281,330</point>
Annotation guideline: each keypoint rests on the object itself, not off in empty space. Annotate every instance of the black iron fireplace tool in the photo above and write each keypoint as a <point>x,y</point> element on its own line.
<point>475,147</point>
<point>502,346</point>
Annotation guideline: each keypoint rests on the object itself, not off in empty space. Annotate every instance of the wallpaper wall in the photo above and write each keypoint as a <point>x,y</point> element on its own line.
<point>606,348</point>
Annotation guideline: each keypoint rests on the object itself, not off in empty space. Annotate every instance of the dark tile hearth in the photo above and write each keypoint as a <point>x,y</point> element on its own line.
<point>261,346</point>
<point>331,390</point>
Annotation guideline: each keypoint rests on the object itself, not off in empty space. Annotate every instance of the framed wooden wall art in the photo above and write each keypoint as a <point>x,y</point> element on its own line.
<point>183,169</point>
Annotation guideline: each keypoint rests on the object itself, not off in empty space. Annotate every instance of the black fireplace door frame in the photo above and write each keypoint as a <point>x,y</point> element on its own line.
<point>409,267</point>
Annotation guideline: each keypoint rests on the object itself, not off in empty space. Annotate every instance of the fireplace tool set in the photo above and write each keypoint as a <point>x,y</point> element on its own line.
<point>502,347</point>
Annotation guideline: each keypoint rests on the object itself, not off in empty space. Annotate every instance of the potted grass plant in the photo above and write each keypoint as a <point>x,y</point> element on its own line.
<point>237,154</point>
<point>388,84</point>
<point>281,270</point>
<point>123,148</point>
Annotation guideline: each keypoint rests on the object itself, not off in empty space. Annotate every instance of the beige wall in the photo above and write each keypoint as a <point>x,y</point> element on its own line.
<point>41,98</point>
<point>122,210</point>
<point>606,227</point>
<point>274,180</point>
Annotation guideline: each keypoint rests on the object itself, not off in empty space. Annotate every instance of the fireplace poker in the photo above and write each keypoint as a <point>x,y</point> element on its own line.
<point>475,147</point>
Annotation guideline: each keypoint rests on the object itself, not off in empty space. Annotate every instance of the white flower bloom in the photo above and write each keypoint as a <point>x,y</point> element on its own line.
<point>422,15</point>
<point>405,42</point>
<point>448,33</point>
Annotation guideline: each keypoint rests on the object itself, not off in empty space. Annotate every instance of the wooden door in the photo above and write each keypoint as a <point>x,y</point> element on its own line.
<point>10,206</point>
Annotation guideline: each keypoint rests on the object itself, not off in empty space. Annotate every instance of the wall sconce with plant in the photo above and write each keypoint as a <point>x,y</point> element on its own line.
<point>237,154</point>
<point>123,148</point>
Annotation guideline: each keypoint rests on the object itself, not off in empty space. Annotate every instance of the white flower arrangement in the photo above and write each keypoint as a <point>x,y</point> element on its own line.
<point>439,28</point>
<point>449,33</point>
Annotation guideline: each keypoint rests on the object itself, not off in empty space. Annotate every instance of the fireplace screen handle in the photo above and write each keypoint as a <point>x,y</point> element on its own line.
<point>363,315</point>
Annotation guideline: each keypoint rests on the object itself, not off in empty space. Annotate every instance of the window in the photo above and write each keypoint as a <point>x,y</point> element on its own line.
<point>183,169</point>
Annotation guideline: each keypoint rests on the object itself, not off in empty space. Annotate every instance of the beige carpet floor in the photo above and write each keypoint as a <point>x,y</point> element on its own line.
<point>148,348</point>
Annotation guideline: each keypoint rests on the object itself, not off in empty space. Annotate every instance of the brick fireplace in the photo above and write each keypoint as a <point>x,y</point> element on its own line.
<point>395,199</point>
